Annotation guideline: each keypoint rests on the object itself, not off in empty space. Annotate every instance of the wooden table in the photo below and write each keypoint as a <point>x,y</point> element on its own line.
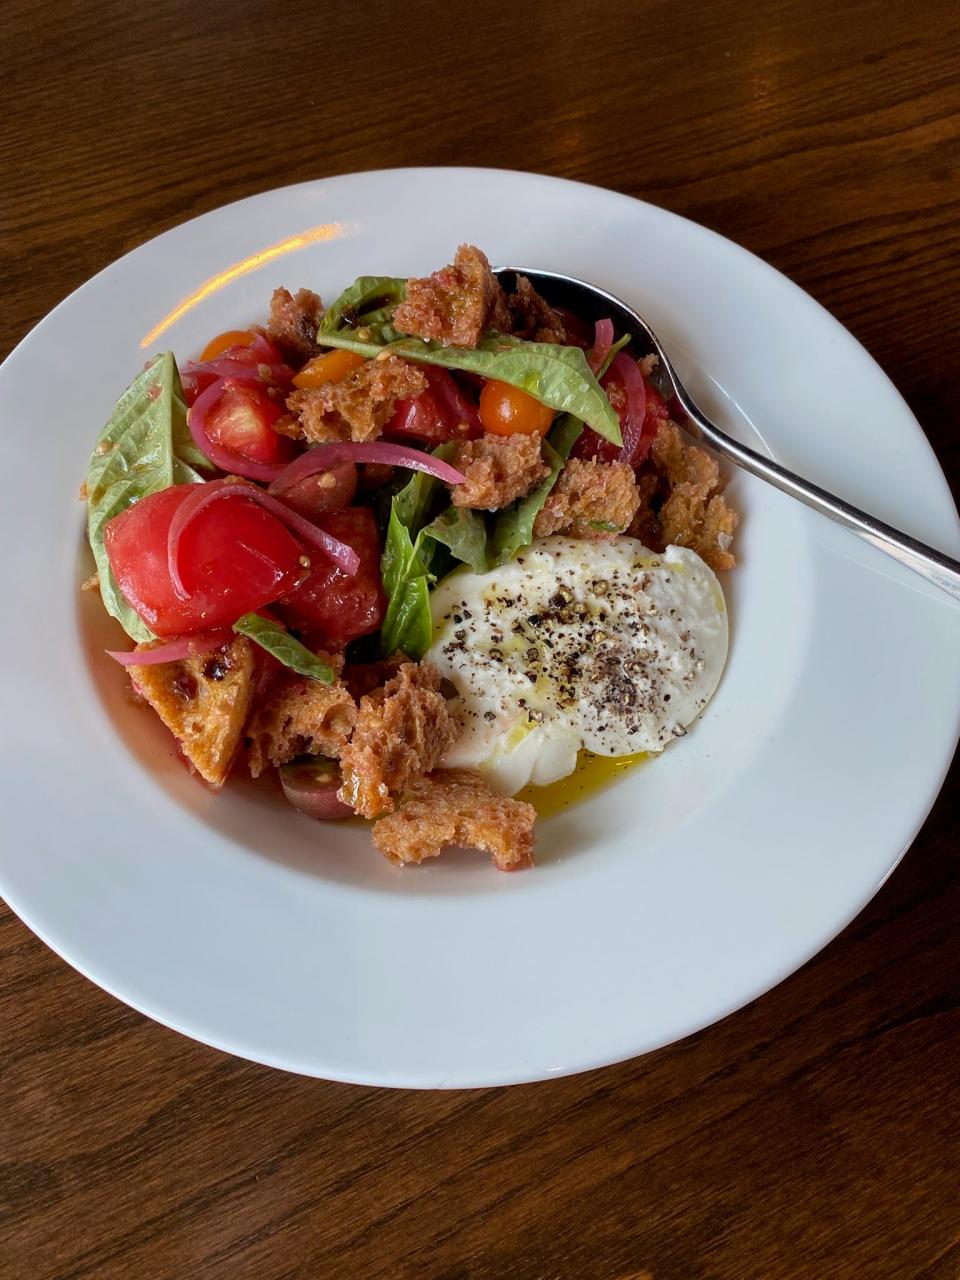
<point>816,1134</point>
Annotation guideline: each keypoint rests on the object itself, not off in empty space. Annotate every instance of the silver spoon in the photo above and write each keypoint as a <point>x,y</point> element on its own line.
<point>590,303</point>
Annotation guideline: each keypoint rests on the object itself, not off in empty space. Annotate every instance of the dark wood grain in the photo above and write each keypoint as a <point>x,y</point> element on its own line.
<point>816,1133</point>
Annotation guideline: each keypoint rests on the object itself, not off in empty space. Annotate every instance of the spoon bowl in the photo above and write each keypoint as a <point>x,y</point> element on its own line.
<point>591,303</point>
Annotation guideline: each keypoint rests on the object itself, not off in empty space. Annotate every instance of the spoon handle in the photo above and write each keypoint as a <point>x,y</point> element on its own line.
<point>933,565</point>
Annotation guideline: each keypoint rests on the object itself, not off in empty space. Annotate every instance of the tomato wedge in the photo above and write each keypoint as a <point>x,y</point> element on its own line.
<point>242,421</point>
<point>239,558</point>
<point>442,412</point>
<point>330,608</point>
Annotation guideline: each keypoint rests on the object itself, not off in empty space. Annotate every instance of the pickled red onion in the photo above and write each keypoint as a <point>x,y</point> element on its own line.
<point>173,650</point>
<point>239,370</point>
<point>602,342</point>
<point>627,372</point>
<point>323,457</point>
<point>343,556</point>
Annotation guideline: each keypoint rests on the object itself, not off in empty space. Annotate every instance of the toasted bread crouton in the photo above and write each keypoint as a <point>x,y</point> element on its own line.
<point>204,702</point>
<point>299,716</point>
<point>457,304</point>
<point>682,503</point>
<point>363,677</point>
<point>360,405</point>
<point>456,808</point>
<point>590,500</point>
<point>533,317</point>
<point>403,731</point>
<point>294,319</point>
<point>497,469</point>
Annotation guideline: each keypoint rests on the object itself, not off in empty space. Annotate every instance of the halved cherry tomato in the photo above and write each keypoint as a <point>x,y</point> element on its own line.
<point>591,445</point>
<point>224,341</point>
<point>330,608</point>
<point>236,557</point>
<point>508,411</point>
<point>242,421</point>
<point>311,786</point>
<point>443,411</point>
<point>332,367</point>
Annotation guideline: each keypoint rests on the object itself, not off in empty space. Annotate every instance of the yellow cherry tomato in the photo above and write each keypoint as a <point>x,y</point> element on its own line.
<point>333,367</point>
<point>224,341</point>
<point>507,411</point>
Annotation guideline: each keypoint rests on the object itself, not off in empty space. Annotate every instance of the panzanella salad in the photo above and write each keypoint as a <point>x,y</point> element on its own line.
<point>419,552</point>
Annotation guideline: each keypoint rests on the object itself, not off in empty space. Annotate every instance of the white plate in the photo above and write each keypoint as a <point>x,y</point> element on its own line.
<point>685,891</point>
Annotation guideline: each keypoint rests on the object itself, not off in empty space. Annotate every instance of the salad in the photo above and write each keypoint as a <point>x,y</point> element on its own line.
<point>413,554</point>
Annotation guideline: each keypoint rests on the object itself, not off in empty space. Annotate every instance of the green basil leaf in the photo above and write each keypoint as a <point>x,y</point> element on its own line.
<point>555,375</point>
<point>464,532</point>
<point>407,624</point>
<point>514,525</point>
<point>614,351</point>
<point>368,301</point>
<point>284,647</point>
<point>413,500</point>
<point>145,447</point>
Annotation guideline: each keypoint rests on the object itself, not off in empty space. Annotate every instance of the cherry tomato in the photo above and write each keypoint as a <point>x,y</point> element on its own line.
<point>332,367</point>
<point>236,557</point>
<point>224,341</point>
<point>508,411</point>
<point>442,412</point>
<point>242,421</point>
<point>313,496</point>
<point>330,608</point>
<point>311,786</point>
<point>591,445</point>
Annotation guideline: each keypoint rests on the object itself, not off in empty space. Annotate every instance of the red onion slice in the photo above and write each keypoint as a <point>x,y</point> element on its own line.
<point>602,342</point>
<point>264,350</point>
<point>627,372</point>
<point>173,650</point>
<point>239,370</point>
<point>223,458</point>
<point>344,557</point>
<point>324,457</point>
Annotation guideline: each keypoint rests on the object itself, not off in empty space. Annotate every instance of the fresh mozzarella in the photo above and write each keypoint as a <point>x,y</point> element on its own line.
<point>576,643</point>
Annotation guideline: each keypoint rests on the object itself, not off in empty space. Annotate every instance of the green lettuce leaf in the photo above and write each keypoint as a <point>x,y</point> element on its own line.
<point>284,647</point>
<point>555,375</point>
<point>464,532</point>
<point>369,302</point>
<point>514,525</point>
<point>145,447</point>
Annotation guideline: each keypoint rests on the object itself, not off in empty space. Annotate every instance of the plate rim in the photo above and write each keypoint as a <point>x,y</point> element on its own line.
<point>586,1063</point>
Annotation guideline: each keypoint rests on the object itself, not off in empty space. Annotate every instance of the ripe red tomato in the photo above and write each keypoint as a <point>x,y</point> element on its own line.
<point>236,557</point>
<point>242,421</point>
<point>442,412</point>
<point>591,445</point>
<point>330,608</point>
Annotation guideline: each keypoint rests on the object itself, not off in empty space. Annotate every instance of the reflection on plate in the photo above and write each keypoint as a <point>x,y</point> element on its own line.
<point>661,903</point>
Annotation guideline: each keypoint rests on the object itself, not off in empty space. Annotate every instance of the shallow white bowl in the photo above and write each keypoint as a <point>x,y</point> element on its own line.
<point>663,904</point>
